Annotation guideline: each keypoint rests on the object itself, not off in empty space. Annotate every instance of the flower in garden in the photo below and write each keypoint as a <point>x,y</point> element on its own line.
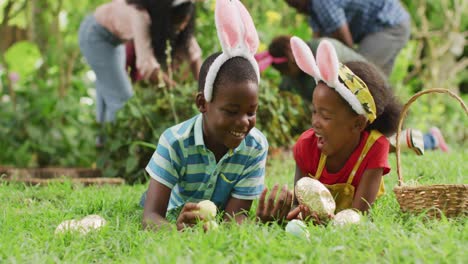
<point>213,5</point>
<point>262,47</point>
<point>14,77</point>
<point>5,98</point>
<point>273,17</point>
<point>86,101</point>
<point>91,76</point>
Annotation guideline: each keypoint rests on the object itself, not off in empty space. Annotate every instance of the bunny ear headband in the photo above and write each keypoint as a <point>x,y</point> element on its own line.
<point>336,75</point>
<point>238,38</point>
<point>179,2</point>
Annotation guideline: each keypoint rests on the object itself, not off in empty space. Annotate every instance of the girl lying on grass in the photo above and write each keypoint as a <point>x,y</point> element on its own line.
<point>353,113</point>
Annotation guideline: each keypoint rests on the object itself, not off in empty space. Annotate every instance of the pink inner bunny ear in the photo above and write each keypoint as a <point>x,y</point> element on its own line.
<point>227,24</point>
<point>250,34</point>
<point>328,63</point>
<point>304,57</point>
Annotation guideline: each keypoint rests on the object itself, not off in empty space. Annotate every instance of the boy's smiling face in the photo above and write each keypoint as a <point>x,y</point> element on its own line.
<point>230,115</point>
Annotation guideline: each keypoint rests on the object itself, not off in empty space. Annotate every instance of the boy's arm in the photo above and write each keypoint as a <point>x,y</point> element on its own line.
<point>274,209</point>
<point>237,209</point>
<point>368,188</point>
<point>164,168</point>
<point>251,186</point>
<point>157,199</point>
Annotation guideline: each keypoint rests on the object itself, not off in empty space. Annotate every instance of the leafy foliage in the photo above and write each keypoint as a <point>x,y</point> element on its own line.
<point>47,116</point>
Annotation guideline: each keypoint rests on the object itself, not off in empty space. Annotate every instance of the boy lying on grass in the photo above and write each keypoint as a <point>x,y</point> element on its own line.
<point>217,155</point>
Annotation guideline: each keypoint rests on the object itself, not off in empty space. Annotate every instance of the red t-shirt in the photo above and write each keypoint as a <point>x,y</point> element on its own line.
<point>307,157</point>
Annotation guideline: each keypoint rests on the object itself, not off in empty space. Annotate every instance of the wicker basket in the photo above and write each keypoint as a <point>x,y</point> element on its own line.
<point>449,199</point>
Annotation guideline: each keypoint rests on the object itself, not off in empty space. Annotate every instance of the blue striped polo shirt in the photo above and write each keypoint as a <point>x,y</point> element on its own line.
<point>363,16</point>
<point>184,164</point>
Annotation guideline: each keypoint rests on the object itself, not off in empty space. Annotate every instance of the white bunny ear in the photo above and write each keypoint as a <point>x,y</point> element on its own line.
<point>250,33</point>
<point>238,38</point>
<point>228,24</point>
<point>328,63</point>
<point>304,57</point>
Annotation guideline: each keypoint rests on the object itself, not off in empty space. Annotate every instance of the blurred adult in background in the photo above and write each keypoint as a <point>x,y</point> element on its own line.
<point>380,29</point>
<point>151,25</point>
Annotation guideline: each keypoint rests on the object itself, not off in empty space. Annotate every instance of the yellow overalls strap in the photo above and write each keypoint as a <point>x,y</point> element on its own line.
<point>321,165</point>
<point>373,136</point>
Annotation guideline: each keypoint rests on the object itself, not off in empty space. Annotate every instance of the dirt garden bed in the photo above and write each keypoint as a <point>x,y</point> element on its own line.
<point>41,176</point>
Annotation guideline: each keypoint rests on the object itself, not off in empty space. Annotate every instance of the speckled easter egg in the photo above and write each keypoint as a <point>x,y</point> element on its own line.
<point>313,194</point>
<point>346,217</point>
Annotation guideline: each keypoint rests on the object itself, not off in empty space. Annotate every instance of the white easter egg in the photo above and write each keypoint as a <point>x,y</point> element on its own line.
<point>297,228</point>
<point>207,209</point>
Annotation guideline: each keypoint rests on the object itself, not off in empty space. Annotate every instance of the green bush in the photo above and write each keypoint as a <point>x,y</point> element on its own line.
<point>43,123</point>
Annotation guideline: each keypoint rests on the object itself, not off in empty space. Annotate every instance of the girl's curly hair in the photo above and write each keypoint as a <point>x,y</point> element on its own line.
<point>388,107</point>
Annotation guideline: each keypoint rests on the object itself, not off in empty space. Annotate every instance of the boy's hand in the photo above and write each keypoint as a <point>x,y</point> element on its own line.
<point>274,211</point>
<point>189,216</point>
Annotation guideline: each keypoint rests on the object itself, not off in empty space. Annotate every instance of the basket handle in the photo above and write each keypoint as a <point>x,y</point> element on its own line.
<point>403,116</point>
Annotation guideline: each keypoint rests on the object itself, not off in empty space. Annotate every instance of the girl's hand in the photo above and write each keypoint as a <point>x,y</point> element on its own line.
<point>303,212</point>
<point>189,216</point>
<point>274,210</point>
<point>294,214</point>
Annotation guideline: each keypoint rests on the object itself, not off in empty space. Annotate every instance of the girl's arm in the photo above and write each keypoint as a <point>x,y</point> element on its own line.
<point>368,188</point>
<point>157,199</point>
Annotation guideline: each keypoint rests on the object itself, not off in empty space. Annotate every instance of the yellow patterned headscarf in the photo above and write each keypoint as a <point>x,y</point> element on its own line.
<point>359,88</point>
<point>329,70</point>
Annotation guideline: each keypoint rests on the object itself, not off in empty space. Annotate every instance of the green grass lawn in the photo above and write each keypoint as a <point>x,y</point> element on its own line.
<point>29,216</point>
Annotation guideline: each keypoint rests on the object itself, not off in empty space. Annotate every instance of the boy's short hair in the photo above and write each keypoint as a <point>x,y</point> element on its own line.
<point>235,69</point>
